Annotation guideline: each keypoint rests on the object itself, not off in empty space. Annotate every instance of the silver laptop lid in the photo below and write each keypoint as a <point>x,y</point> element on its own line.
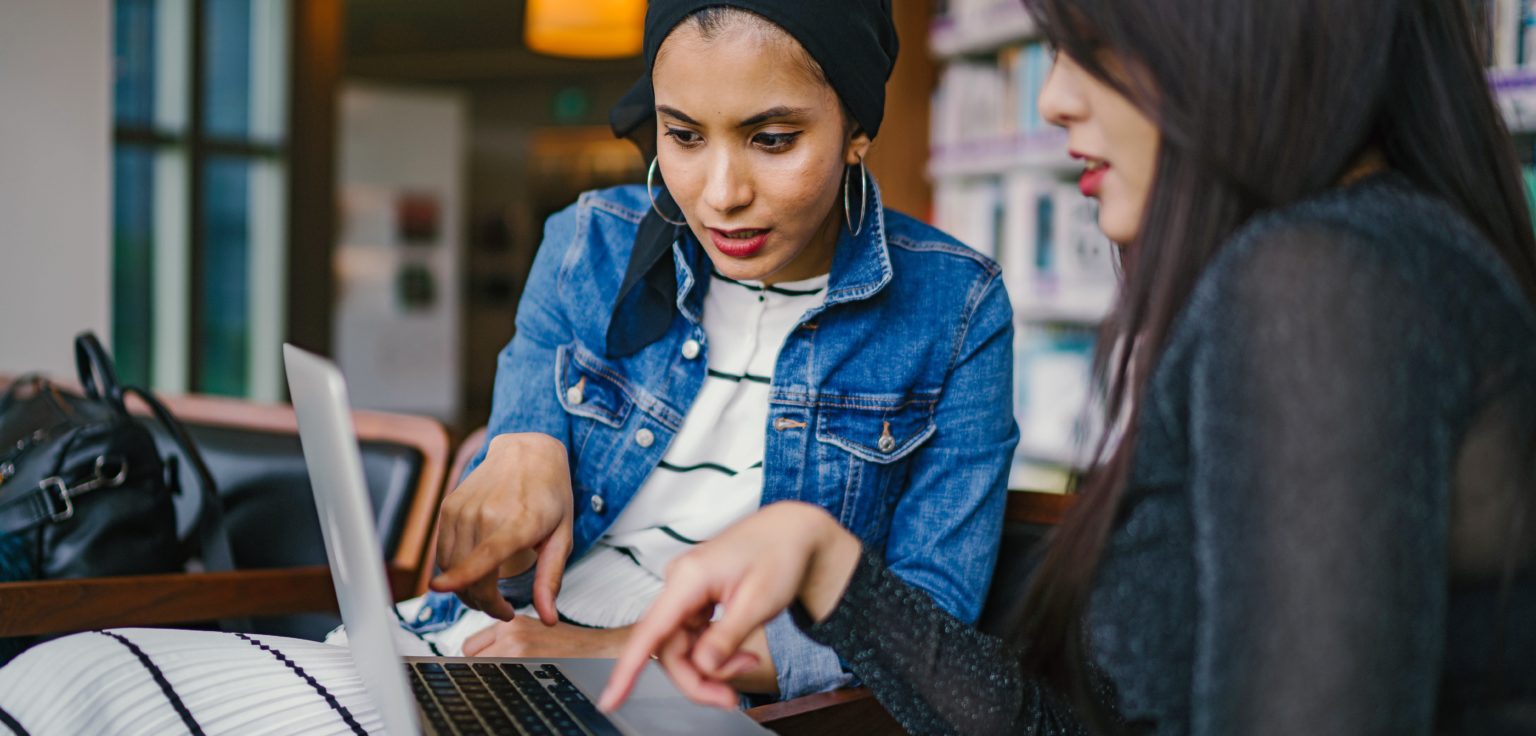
<point>351,543</point>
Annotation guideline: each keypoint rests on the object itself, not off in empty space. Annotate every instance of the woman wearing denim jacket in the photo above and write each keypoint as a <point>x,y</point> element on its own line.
<point>889,347</point>
<point>890,397</point>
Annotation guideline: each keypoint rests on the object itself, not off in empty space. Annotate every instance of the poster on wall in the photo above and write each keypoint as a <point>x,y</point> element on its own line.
<point>397,330</point>
<point>418,219</point>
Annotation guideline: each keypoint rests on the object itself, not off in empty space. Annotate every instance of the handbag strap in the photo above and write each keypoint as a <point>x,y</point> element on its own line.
<point>216,552</point>
<point>48,503</point>
<point>97,375</point>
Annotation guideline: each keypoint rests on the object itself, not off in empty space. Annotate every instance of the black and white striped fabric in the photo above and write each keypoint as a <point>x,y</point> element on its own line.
<point>157,681</point>
<point>712,473</point>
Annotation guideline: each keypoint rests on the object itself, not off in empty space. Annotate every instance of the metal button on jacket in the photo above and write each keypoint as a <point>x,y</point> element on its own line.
<point>644,438</point>
<point>574,395</point>
<point>691,349</point>
<point>597,504</point>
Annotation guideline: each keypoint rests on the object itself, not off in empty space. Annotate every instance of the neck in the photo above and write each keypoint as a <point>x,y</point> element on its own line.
<point>816,258</point>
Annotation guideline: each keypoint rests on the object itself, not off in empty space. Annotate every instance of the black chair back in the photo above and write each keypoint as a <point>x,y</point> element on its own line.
<point>269,510</point>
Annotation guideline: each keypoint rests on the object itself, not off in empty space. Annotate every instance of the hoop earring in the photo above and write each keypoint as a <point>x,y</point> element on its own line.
<point>863,198</point>
<point>650,191</point>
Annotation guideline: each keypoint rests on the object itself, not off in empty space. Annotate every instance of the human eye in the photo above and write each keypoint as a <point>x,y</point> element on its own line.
<point>684,137</point>
<point>775,142</point>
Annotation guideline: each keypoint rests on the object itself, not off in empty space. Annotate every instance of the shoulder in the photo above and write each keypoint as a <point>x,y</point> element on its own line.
<point>1384,234</point>
<point>597,231</point>
<point>912,239</point>
<point>928,266</point>
<point>1372,261</point>
<point>586,248</point>
<point>608,214</point>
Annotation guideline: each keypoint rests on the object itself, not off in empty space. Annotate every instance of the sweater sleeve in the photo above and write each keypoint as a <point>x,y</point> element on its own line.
<point>934,673</point>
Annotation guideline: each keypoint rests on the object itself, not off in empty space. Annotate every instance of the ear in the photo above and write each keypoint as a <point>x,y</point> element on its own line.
<point>858,147</point>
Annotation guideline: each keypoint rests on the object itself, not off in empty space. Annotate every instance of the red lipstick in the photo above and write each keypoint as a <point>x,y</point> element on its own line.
<point>743,243</point>
<point>1090,182</point>
<point>1093,175</point>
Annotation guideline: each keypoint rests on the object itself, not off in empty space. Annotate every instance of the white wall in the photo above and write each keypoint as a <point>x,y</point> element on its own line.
<point>397,142</point>
<point>55,190</point>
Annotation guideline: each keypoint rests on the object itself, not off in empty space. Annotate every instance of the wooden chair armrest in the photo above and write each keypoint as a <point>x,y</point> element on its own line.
<point>63,606</point>
<point>849,712</point>
<point>1036,507</point>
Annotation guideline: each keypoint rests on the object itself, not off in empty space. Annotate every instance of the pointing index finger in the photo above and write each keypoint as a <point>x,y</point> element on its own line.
<point>666,616</point>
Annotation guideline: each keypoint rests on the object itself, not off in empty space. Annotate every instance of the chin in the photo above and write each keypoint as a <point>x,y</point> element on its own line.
<point>1116,229</point>
<point>754,269</point>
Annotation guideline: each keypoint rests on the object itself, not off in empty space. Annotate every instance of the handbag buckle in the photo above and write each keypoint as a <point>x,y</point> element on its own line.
<point>56,494</point>
<point>102,479</point>
<point>60,497</point>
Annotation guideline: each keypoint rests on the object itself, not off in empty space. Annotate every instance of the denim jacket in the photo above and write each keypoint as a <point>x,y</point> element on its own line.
<point>890,406</point>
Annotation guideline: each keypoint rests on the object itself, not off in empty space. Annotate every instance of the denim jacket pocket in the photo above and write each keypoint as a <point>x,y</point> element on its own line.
<point>875,434</point>
<point>864,444</point>
<point>588,387</point>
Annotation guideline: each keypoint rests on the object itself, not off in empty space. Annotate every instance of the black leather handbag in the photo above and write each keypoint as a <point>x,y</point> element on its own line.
<point>85,492</point>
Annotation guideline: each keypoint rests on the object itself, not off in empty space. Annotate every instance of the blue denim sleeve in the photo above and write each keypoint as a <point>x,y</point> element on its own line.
<point>802,666</point>
<point>524,399</point>
<point>947,526</point>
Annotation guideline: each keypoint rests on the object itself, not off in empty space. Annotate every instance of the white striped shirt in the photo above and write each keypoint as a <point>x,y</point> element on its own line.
<point>712,474</point>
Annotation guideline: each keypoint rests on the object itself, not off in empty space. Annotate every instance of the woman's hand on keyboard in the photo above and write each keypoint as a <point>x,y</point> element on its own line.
<point>524,637</point>
<point>515,506</point>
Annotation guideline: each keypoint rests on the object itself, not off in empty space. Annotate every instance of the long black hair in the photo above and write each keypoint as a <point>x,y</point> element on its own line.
<point>1259,103</point>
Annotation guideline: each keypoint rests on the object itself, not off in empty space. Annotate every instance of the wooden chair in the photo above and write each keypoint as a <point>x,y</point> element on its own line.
<point>466,452</point>
<point>398,445</point>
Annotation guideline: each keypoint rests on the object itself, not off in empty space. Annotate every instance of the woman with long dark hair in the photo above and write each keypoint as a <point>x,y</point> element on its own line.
<point>1314,511</point>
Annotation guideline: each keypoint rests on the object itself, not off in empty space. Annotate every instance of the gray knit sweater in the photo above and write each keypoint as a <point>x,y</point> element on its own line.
<point>1332,514</point>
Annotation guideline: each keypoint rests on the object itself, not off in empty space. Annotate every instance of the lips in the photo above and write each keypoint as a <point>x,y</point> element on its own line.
<point>1094,171</point>
<point>1091,181</point>
<point>742,243</point>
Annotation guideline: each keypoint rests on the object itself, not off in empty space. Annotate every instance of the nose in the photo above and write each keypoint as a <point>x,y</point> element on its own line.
<point>729,186</point>
<point>1061,100</point>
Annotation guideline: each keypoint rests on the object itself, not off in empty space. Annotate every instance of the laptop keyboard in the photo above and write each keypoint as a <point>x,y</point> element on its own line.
<point>488,698</point>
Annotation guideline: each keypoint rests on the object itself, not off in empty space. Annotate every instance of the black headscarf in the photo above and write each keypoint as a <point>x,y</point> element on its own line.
<point>854,42</point>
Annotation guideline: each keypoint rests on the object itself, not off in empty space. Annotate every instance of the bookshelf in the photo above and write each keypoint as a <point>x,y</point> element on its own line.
<point>1002,184</point>
<point>1515,90</point>
<point>1042,150</point>
<point>978,31</point>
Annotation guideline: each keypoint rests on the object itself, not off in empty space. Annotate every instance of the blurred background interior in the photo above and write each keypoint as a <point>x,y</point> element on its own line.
<point>202,180</point>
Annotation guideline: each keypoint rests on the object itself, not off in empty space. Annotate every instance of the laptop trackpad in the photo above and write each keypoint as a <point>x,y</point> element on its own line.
<point>655,706</point>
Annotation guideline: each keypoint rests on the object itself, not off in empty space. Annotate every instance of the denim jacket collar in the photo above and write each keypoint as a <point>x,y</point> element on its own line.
<point>861,267</point>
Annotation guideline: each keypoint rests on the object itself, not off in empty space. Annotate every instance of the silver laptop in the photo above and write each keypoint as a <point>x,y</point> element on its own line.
<point>445,695</point>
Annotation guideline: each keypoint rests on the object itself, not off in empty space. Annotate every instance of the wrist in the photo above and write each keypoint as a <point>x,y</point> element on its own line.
<point>833,559</point>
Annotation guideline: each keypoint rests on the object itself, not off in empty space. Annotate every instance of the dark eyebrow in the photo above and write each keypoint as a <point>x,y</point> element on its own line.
<point>676,113</point>
<point>772,113</point>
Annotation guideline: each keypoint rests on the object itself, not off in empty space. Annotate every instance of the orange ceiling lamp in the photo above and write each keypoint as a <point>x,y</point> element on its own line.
<point>585,29</point>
